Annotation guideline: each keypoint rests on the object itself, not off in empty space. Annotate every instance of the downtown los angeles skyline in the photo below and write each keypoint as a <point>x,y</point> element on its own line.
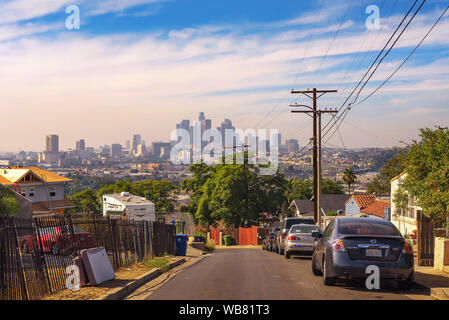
<point>142,66</point>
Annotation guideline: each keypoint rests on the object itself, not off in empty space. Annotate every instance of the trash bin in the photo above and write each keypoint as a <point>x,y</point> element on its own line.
<point>227,240</point>
<point>181,244</point>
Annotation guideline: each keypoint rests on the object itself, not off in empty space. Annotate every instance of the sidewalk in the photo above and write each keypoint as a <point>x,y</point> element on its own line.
<point>436,281</point>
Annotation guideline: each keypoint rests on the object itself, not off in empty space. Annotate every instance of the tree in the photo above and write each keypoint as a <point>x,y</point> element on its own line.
<point>427,168</point>
<point>160,192</point>
<point>329,186</point>
<point>395,166</point>
<point>349,178</point>
<point>302,189</point>
<point>8,202</point>
<point>86,203</point>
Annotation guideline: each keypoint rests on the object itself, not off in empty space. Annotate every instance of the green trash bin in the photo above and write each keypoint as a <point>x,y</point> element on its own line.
<point>227,240</point>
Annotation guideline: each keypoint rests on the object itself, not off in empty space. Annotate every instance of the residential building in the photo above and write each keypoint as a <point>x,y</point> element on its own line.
<point>404,219</point>
<point>368,204</point>
<point>128,205</point>
<point>329,203</point>
<point>357,202</point>
<point>45,189</point>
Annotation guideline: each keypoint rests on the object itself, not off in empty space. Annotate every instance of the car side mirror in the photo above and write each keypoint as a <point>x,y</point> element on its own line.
<point>317,235</point>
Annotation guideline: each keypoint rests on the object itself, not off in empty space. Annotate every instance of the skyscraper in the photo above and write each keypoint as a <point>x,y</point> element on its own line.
<point>116,150</point>
<point>136,141</point>
<point>52,143</point>
<point>80,145</point>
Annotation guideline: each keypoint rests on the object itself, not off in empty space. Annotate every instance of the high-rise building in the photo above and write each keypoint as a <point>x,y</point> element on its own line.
<point>201,116</point>
<point>292,145</point>
<point>52,143</point>
<point>80,145</point>
<point>136,141</point>
<point>128,144</point>
<point>161,149</point>
<point>116,150</point>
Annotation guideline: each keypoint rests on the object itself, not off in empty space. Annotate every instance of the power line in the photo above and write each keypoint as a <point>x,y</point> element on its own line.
<point>406,59</point>
<point>372,73</point>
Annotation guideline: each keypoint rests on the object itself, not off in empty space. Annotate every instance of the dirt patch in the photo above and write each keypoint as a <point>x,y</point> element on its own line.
<point>123,277</point>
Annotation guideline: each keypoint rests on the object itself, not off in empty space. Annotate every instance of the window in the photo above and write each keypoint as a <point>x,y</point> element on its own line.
<point>31,192</point>
<point>411,212</point>
<point>52,191</point>
<point>372,228</point>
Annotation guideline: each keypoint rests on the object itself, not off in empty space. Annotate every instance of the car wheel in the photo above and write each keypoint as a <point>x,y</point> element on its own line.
<point>287,255</point>
<point>315,270</point>
<point>406,284</point>
<point>55,249</point>
<point>328,281</point>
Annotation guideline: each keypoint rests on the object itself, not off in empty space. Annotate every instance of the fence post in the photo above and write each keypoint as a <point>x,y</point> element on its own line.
<point>21,269</point>
<point>96,232</point>
<point>42,256</point>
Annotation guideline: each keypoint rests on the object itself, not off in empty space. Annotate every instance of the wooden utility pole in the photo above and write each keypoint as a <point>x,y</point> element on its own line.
<point>316,114</point>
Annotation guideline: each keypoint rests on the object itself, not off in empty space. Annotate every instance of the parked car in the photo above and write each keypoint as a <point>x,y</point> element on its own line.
<point>57,240</point>
<point>286,224</point>
<point>266,242</point>
<point>272,240</point>
<point>349,245</point>
<point>299,240</point>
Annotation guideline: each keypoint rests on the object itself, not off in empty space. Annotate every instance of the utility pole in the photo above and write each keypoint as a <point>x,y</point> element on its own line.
<point>316,115</point>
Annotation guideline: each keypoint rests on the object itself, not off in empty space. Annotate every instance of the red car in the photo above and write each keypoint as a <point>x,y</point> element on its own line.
<point>57,240</point>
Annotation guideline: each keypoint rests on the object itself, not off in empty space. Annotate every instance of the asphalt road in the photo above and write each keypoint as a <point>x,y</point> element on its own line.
<point>250,274</point>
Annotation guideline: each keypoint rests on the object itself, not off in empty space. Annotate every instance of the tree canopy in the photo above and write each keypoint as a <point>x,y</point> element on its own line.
<point>8,202</point>
<point>427,168</point>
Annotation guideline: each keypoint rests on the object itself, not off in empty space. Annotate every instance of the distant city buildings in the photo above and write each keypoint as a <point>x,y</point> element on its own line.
<point>292,145</point>
<point>80,145</point>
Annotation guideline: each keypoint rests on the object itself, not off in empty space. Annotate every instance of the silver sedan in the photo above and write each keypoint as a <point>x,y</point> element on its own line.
<point>299,239</point>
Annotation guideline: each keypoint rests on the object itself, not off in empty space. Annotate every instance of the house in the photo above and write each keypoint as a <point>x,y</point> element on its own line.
<point>367,204</point>
<point>357,202</point>
<point>404,219</point>
<point>128,205</point>
<point>43,188</point>
<point>328,203</point>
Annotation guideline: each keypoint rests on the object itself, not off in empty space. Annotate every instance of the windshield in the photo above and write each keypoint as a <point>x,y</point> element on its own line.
<point>304,229</point>
<point>367,228</point>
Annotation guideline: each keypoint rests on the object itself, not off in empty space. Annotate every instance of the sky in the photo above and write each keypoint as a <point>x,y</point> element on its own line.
<point>141,66</point>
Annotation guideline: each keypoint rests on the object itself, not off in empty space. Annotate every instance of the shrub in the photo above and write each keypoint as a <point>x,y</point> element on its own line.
<point>210,245</point>
<point>159,262</point>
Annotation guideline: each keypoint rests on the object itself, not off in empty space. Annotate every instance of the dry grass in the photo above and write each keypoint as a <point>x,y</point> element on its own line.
<point>122,277</point>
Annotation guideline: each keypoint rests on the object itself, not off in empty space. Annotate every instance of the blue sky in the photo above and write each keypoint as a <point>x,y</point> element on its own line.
<point>140,66</point>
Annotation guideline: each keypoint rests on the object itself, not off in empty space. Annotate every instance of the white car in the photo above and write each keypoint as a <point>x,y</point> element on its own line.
<point>299,239</point>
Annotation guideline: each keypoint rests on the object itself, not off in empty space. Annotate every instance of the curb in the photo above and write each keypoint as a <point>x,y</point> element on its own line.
<point>126,290</point>
<point>437,293</point>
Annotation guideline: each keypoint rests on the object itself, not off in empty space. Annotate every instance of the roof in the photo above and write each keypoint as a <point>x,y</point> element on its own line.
<point>4,181</point>
<point>363,200</point>
<point>397,177</point>
<point>44,206</point>
<point>13,174</point>
<point>377,208</point>
<point>328,203</point>
<point>130,199</point>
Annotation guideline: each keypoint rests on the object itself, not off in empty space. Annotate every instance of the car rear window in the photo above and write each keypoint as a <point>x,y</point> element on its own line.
<point>304,229</point>
<point>367,228</point>
<point>290,222</point>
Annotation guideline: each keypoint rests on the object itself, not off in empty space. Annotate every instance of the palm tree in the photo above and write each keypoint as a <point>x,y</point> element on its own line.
<point>349,178</point>
<point>289,189</point>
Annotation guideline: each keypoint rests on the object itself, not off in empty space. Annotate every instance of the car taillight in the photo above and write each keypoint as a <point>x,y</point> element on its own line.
<point>293,238</point>
<point>338,245</point>
<point>284,235</point>
<point>408,249</point>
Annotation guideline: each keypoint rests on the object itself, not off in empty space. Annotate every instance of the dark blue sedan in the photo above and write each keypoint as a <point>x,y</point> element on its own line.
<point>349,245</point>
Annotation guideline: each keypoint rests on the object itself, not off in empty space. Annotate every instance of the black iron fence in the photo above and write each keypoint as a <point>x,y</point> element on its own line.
<point>34,254</point>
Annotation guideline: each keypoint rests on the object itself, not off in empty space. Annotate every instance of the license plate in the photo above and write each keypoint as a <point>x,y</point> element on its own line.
<point>373,252</point>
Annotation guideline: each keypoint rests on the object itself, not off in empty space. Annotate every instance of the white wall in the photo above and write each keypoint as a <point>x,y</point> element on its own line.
<point>351,208</point>
<point>404,224</point>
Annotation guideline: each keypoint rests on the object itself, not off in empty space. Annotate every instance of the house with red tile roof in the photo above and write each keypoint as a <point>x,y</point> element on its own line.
<point>358,202</point>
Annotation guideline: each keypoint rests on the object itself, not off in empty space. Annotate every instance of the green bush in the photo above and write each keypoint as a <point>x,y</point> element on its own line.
<point>8,202</point>
<point>227,240</point>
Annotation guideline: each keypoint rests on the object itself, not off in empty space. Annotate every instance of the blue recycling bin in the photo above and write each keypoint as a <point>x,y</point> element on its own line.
<point>181,244</point>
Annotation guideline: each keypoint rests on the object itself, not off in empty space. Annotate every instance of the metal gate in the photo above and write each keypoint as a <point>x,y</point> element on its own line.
<point>425,239</point>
